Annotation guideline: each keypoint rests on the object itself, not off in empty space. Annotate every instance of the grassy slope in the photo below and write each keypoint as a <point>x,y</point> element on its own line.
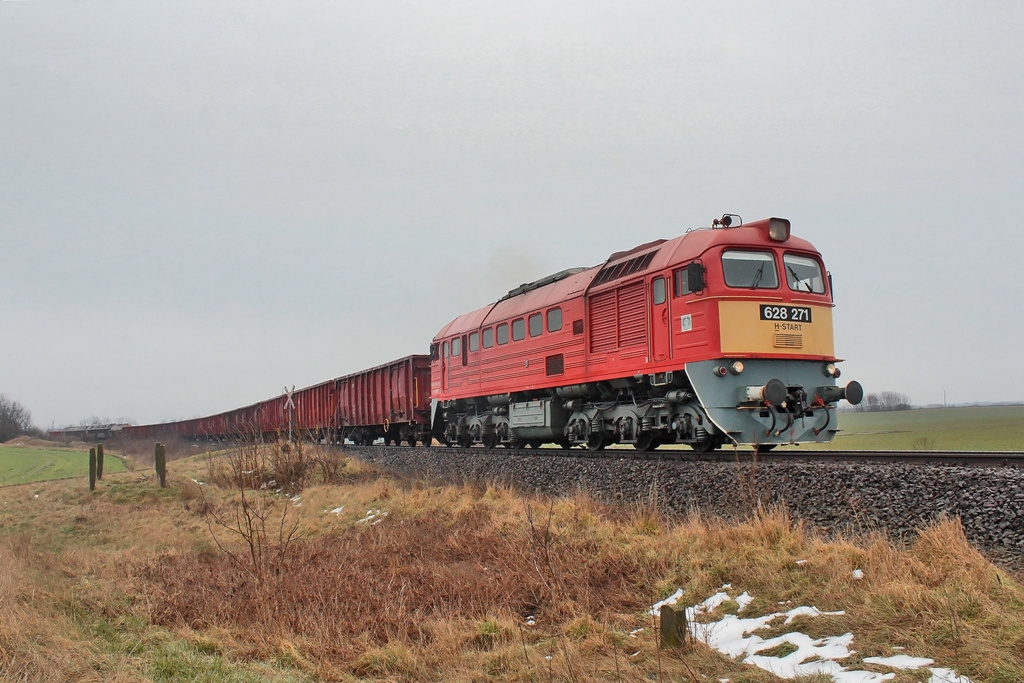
<point>127,584</point>
<point>24,465</point>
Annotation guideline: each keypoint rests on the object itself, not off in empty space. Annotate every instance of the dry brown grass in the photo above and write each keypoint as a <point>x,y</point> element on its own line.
<point>129,583</point>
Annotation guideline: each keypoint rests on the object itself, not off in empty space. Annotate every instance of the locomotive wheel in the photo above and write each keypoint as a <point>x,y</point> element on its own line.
<point>465,441</point>
<point>490,441</point>
<point>645,442</point>
<point>597,442</point>
<point>764,447</point>
<point>705,446</point>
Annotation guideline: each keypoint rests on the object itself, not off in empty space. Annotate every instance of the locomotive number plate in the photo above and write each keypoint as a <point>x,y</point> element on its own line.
<point>793,314</point>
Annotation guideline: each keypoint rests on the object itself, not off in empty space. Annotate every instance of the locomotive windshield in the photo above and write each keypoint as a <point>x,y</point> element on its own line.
<point>753,269</point>
<point>803,274</point>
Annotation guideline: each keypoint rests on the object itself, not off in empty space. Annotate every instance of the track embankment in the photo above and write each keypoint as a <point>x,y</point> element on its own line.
<point>893,498</point>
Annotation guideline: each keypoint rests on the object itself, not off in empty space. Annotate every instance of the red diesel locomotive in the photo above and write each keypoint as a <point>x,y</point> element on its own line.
<point>722,335</point>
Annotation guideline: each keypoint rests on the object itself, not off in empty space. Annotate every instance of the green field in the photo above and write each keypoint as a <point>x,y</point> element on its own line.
<point>975,428</point>
<point>981,428</point>
<point>26,465</point>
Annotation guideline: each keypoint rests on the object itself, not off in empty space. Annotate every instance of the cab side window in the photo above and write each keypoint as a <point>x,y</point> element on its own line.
<point>658,290</point>
<point>456,347</point>
<point>488,337</point>
<point>503,333</point>
<point>681,283</point>
<point>474,341</point>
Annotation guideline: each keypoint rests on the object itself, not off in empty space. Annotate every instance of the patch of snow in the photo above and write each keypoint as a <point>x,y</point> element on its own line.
<point>947,676</point>
<point>732,636</point>
<point>744,600</point>
<point>801,561</point>
<point>670,600</point>
<point>900,661</point>
<point>858,574</point>
<point>338,510</point>
<point>632,634</point>
<point>371,515</point>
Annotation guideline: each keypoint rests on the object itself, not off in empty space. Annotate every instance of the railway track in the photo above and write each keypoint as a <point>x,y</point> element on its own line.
<point>942,458</point>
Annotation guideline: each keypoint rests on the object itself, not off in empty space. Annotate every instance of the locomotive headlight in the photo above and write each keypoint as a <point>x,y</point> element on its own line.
<point>720,371</point>
<point>736,367</point>
<point>830,369</point>
<point>778,229</point>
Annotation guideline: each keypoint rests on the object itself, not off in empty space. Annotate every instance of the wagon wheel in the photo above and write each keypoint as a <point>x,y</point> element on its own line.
<point>597,442</point>
<point>645,442</point>
<point>412,441</point>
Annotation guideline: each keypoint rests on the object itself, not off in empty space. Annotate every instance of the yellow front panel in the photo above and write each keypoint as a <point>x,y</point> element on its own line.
<point>745,331</point>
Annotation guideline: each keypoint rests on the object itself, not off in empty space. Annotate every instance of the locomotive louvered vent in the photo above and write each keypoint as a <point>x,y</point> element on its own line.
<point>554,365</point>
<point>618,319</point>
<point>617,270</point>
<point>632,315</point>
<point>789,341</point>
<point>577,327</point>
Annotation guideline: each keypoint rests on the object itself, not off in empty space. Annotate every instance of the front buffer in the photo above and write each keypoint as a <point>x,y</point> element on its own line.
<point>767,402</point>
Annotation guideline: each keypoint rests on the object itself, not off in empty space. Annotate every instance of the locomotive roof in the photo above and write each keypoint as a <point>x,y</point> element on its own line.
<point>650,256</point>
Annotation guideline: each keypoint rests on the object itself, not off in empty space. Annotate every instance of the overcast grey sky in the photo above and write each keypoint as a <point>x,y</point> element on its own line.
<point>203,202</point>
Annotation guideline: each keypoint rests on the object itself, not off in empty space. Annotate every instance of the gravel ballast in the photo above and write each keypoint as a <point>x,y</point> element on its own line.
<point>828,497</point>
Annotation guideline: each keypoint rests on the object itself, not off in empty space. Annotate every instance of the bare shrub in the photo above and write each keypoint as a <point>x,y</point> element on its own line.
<point>260,513</point>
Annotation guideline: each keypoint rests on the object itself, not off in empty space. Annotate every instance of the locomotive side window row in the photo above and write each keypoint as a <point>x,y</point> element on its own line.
<point>519,327</point>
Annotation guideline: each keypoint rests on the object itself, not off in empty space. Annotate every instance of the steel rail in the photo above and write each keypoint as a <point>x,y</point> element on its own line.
<point>941,458</point>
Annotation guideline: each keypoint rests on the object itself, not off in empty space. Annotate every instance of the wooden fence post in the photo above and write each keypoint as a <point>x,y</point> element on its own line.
<point>161,464</point>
